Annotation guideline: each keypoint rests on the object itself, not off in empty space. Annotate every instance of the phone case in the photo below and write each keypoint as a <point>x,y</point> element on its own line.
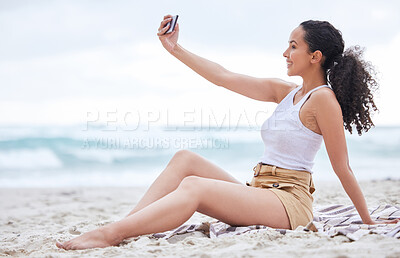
<point>173,24</point>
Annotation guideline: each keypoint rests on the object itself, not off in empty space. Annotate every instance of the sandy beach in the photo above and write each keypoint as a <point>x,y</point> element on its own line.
<point>33,219</point>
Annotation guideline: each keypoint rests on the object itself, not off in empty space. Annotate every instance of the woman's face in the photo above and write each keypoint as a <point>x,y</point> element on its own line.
<point>297,54</point>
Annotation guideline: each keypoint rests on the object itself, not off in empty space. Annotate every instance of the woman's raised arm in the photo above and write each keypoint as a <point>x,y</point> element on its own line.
<point>263,89</point>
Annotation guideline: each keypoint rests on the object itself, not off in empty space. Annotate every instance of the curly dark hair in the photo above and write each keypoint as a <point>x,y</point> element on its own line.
<point>351,78</point>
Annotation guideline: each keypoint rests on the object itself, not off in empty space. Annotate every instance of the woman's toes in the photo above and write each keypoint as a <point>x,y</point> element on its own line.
<point>67,245</point>
<point>60,245</point>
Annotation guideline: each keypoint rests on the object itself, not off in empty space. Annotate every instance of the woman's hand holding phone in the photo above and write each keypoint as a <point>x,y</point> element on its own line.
<point>168,39</point>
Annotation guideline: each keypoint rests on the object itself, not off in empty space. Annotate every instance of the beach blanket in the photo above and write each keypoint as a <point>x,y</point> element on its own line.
<point>331,221</point>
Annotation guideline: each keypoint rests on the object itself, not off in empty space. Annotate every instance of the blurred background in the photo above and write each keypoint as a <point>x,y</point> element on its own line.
<point>90,98</point>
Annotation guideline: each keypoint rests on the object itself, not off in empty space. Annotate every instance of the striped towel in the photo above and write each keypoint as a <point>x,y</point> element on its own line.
<point>331,221</point>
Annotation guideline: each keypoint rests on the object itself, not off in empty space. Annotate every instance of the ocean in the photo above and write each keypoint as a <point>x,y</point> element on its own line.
<point>68,156</point>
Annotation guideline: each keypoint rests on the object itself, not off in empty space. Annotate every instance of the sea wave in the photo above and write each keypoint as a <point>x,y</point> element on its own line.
<point>58,153</point>
<point>29,159</point>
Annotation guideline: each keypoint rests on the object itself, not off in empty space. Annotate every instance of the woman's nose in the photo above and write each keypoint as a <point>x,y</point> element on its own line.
<point>285,53</point>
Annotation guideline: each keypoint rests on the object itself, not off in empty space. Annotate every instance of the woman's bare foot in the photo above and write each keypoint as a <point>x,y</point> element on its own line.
<point>101,237</point>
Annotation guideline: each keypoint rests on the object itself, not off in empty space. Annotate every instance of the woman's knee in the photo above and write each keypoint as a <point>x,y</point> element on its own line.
<point>183,154</point>
<point>183,158</point>
<point>191,184</point>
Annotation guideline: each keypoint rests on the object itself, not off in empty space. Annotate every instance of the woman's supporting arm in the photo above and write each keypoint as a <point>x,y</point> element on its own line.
<point>353,190</point>
<point>330,122</point>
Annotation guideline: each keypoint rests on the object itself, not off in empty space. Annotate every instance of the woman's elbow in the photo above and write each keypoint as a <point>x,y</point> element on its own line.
<point>222,79</point>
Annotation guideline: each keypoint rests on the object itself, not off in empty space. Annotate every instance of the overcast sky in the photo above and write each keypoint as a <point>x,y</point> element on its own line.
<point>67,62</point>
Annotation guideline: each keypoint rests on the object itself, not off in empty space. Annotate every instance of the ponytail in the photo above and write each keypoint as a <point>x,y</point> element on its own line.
<point>351,78</point>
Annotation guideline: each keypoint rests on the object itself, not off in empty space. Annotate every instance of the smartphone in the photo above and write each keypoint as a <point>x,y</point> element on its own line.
<point>172,23</point>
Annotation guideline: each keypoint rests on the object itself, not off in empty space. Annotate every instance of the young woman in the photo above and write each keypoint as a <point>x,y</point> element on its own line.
<point>336,93</point>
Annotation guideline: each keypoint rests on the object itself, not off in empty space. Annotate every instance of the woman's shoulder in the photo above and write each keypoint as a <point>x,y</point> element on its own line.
<point>323,94</point>
<point>284,89</point>
<point>324,98</point>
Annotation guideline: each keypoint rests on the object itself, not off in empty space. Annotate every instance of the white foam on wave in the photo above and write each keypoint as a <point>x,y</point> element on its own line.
<point>126,178</point>
<point>109,156</point>
<point>29,159</point>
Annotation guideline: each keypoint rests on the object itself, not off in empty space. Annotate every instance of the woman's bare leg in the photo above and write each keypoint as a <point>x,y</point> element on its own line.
<point>184,163</point>
<point>229,202</point>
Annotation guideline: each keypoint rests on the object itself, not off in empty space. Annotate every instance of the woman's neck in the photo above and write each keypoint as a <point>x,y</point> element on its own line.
<point>313,80</point>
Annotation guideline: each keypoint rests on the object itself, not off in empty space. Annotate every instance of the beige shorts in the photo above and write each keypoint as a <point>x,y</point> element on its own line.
<point>293,187</point>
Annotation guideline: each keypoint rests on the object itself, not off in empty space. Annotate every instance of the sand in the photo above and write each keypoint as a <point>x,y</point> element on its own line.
<point>31,220</point>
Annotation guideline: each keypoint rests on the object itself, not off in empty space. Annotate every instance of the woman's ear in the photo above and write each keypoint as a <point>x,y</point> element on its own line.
<point>316,57</point>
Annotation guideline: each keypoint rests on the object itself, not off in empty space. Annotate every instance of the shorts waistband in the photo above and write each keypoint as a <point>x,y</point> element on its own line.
<point>265,169</point>
<point>302,176</point>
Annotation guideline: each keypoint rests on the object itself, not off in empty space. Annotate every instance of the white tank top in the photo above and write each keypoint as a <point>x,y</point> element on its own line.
<point>288,143</point>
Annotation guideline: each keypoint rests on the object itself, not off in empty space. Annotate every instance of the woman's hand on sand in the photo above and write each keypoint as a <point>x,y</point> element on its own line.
<point>383,221</point>
<point>169,40</point>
